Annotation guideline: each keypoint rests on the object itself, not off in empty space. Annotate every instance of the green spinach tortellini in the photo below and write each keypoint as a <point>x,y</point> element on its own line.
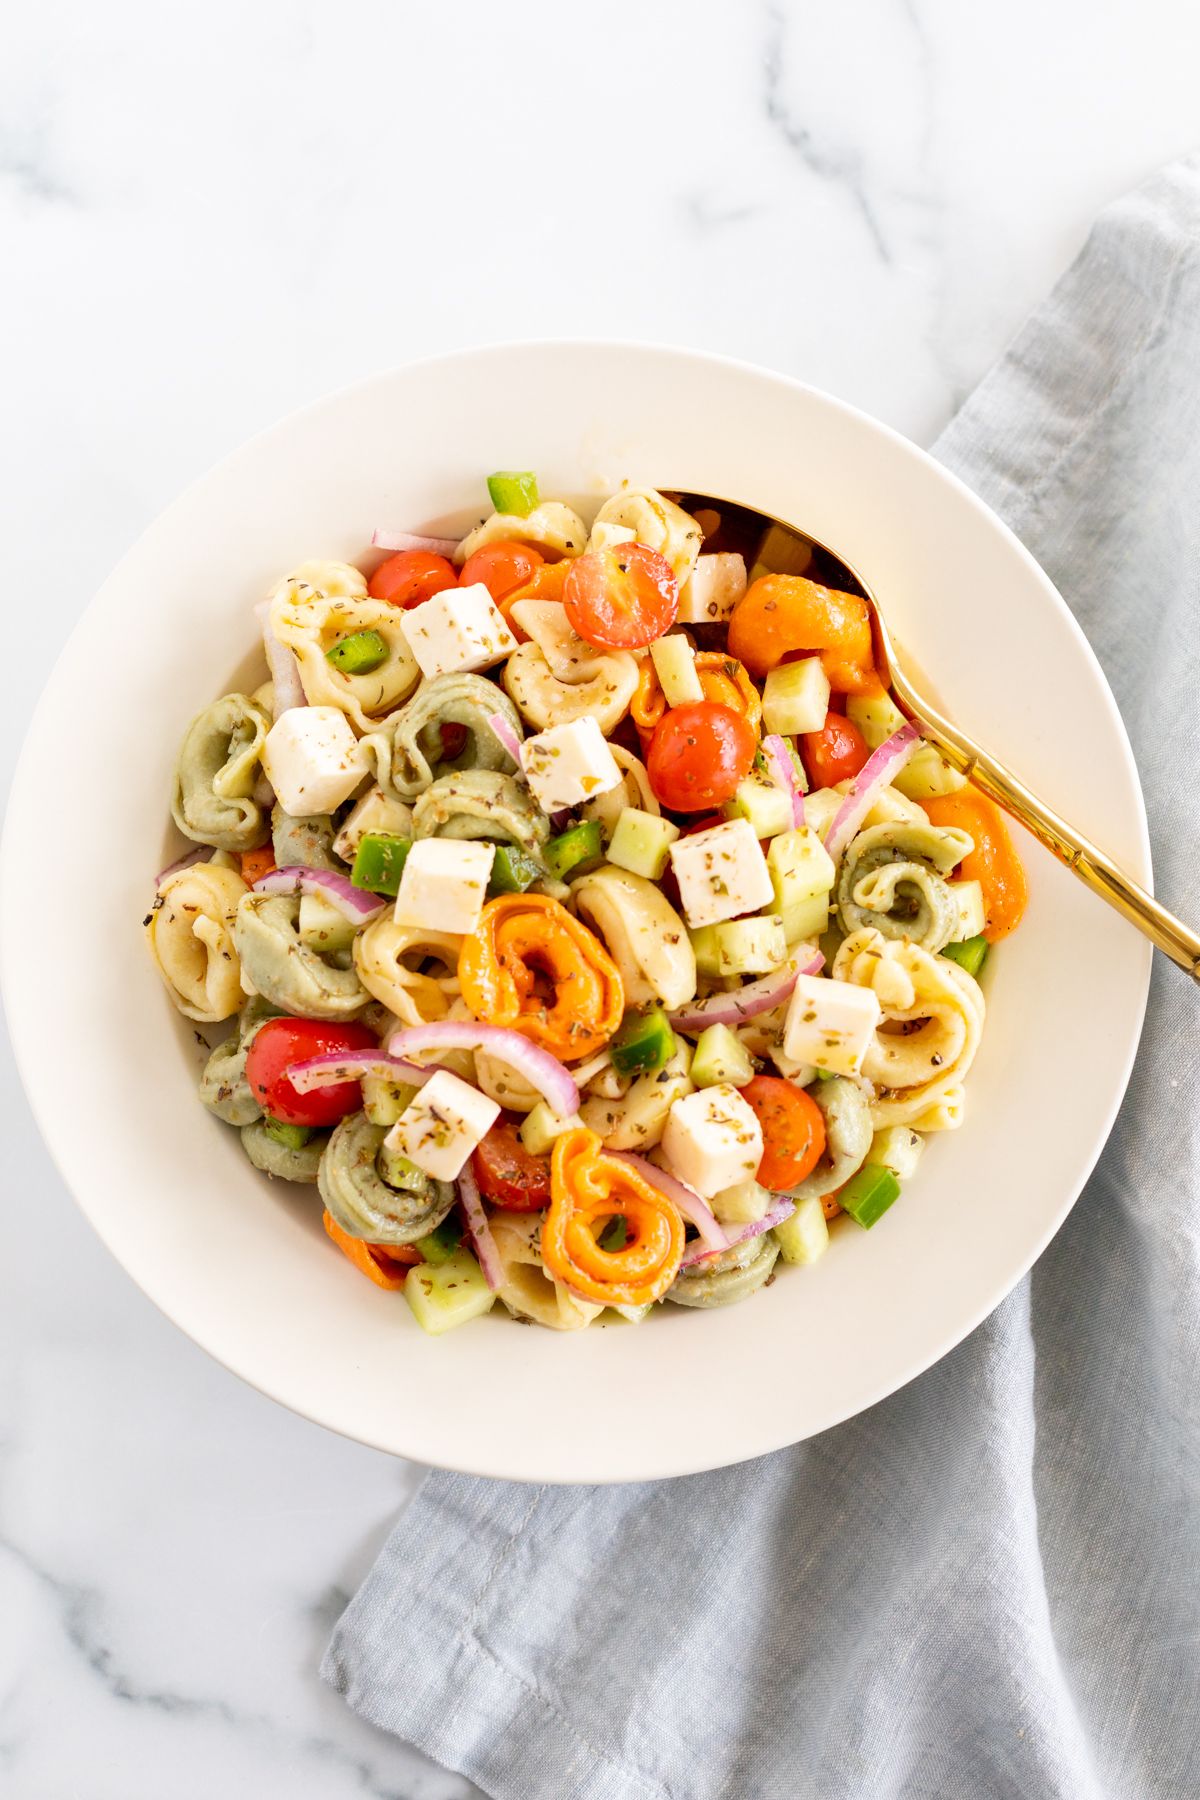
<point>287,971</point>
<point>366,1205</point>
<point>482,803</point>
<point>220,761</point>
<point>284,1161</point>
<point>223,1085</point>
<point>304,843</point>
<point>407,751</point>
<point>893,878</point>
<point>729,1277</point>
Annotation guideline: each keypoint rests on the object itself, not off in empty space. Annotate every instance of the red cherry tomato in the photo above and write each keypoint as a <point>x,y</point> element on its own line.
<point>508,1175</point>
<point>793,1129</point>
<point>454,740</point>
<point>622,599</point>
<point>834,753</point>
<point>412,576</point>
<point>282,1042</point>
<point>698,754</point>
<point>502,568</point>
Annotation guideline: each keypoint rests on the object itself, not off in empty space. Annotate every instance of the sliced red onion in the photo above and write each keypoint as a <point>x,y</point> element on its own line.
<point>184,862</point>
<point>333,1066</point>
<point>383,539</point>
<point>507,737</point>
<point>783,772</point>
<point>478,1228</point>
<point>775,1215</point>
<point>351,902</point>
<point>876,773</point>
<point>690,1204</point>
<point>285,670</point>
<point>541,1070</point>
<point>760,996</point>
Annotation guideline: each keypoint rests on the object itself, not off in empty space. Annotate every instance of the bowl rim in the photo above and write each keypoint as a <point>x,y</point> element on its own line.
<point>13,876</point>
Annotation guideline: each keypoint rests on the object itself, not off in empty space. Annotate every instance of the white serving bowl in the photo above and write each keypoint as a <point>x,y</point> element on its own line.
<point>241,1264</point>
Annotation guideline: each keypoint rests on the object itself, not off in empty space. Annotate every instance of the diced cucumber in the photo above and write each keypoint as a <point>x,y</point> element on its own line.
<point>751,946</point>
<point>675,665</point>
<point>575,850</point>
<point>322,927</point>
<point>379,863</point>
<point>796,697</point>
<point>972,915</point>
<point>292,1137</point>
<point>398,1172</point>
<point>925,775</point>
<point>445,1295</point>
<point>970,955</point>
<point>643,1044</point>
<point>540,1126</point>
<point>876,715</point>
<point>513,491</point>
<point>819,808</point>
<point>767,807</point>
<point>512,871</point>
<point>805,1236</point>
<point>721,1056</point>
<point>706,948</point>
<point>867,1195</point>
<point>641,843</point>
<point>807,919</point>
<point>384,1101</point>
<point>801,871</point>
<point>743,1204</point>
<point>898,1148</point>
<point>632,1315</point>
<point>439,1245</point>
<point>889,807</point>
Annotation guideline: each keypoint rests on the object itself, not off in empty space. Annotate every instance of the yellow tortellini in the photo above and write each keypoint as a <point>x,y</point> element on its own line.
<point>645,936</point>
<point>914,1071</point>
<point>218,769</point>
<point>190,932</point>
<point>316,606</point>
<point>527,1291</point>
<point>658,523</point>
<point>384,955</point>
<point>551,526</point>
<point>635,1117</point>
<point>632,790</point>
<point>558,677</point>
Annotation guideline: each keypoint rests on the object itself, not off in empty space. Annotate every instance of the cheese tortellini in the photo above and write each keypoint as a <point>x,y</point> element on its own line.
<point>191,934</point>
<point>393,963</point>
<point>528,1291</point>
<point>633,789</point>
<point>729,1277</point>
<point>632,1114</point>
<point>551,526</point>
<point>658,522</point>
<point>219,766</point>
<point>644,934</point>
<point>558,677</point>
<point>942,1008</point>
<point>363,1202</point>
<point>316,606</point>
<point>482,803</point>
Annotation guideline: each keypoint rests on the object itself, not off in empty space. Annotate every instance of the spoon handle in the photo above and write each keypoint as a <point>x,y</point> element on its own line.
<point>1082,857</point>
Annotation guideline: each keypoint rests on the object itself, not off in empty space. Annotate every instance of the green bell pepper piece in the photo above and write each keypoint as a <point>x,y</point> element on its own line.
<point>513,491</point>
<point>439,1245</point>
<point>359,653</point>
<point>379,863</point>
<point>644,1043</point>
<point>512,871</point>
<point>575,850</point>
<point>867,1195</point>
<point>970,955</point>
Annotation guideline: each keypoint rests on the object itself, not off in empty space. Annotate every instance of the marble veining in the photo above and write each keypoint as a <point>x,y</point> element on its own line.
<point>200,230</point>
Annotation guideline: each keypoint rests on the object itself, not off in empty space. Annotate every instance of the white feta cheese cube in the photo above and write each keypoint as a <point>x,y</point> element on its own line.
<point>375,812</point>
<point>721,873</point>
<point>460,629</point>
<point>312,759</point>
<point>439,1129</point>
<point>831,1024</point>
<point>569,764</point>
<point>713,1140</point>
<point>713,589</point>
<point>444,884</point>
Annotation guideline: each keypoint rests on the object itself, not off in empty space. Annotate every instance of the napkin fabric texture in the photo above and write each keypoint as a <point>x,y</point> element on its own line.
<point>988,1585</point>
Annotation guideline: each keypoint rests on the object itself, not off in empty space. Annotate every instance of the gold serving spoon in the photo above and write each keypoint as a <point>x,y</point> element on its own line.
<point>771,545</point>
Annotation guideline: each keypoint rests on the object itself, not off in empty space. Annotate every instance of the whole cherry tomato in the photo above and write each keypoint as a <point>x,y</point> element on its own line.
<point>834,753</point>
<point>793,1129</point>
<point>411,577</point>
<point>698,755</point>
<point>621,599</point>
<point>502,568</point>
<point>509,1176</point>
<point>282,1042</point>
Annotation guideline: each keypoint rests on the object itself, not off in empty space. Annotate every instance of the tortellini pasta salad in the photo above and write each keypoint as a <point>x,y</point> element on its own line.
<point>586,924</point>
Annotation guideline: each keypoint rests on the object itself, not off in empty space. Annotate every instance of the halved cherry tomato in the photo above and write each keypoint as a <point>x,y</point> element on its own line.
<point>502,568</point>
<point>698,755</point>
<point>257,863</point>
<point>835,753</point>
<point>411,577</point>
<point>508,1175</point>
<point>621,599</point>
<point>282,1042</point>
<point>793,1131</point>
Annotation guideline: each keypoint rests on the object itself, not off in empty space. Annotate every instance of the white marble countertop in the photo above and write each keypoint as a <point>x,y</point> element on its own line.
<point>209,216</point>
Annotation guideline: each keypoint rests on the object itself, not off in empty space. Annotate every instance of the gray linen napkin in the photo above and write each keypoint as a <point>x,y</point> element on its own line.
<point>988,1584</point>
